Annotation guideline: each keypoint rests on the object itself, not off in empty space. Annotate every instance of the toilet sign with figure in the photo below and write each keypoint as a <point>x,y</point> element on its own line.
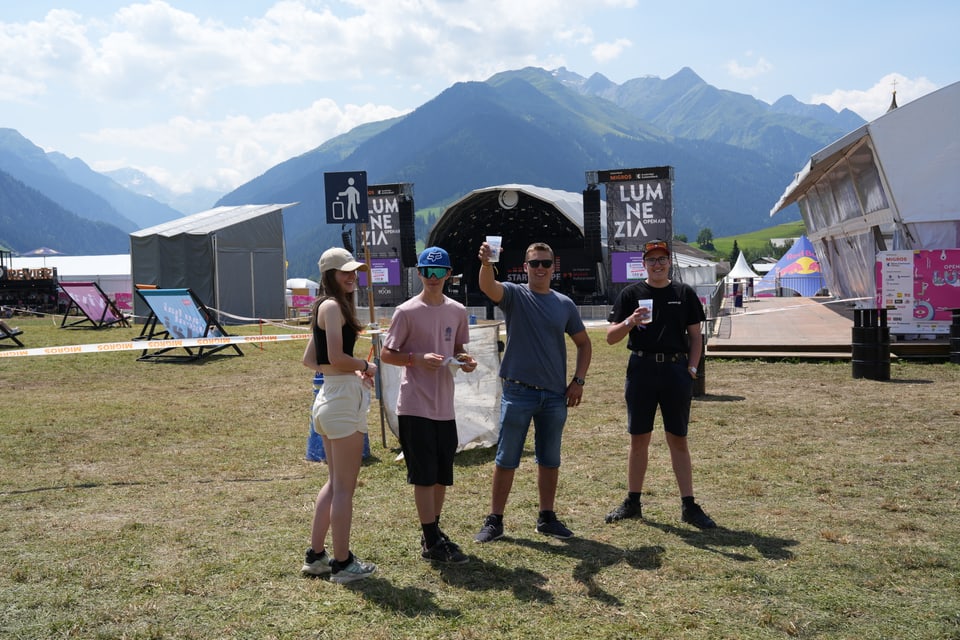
<point>346,197</point>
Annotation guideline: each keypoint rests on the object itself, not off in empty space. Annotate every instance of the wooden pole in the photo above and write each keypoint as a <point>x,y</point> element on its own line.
<point>374,333</point>
<point>366,258</point>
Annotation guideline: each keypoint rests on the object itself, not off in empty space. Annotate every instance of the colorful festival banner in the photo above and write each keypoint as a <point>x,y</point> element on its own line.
<point>918,289</point>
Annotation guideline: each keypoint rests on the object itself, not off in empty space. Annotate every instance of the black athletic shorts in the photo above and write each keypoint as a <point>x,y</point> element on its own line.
<point>428,449</point>
<point>652,384</point>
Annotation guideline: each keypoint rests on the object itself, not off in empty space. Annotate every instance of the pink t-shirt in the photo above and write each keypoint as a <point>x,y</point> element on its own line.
<point>421,328</point>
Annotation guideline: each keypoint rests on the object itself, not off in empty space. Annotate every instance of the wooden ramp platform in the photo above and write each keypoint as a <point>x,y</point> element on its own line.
<point>796,327</point>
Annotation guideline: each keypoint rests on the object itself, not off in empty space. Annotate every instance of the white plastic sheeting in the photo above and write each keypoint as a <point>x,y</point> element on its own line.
<point>477,393</point>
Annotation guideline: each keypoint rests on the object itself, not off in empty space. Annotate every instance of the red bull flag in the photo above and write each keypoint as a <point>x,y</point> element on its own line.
<point>798,270</point>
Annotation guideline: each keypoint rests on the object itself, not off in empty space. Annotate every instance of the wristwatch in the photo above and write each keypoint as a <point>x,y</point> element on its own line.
<point>579,381</point>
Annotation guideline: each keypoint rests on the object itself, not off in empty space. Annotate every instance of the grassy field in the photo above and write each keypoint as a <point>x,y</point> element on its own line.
<point>161,500</point>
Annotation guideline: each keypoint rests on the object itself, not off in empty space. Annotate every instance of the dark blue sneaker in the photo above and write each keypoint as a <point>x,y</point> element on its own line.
<point>492,529</point>
<point>548,525</point>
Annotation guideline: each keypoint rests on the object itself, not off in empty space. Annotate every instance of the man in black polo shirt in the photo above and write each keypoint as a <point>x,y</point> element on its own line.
<point>662,319</point>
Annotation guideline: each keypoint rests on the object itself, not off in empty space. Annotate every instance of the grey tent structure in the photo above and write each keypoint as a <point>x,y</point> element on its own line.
<point>232,258</point>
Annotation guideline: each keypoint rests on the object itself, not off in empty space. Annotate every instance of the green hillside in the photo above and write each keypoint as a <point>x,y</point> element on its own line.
<point>756,242</point>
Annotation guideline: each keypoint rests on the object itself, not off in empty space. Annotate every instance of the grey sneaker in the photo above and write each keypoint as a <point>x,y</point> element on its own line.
<point>316,564</point>
<point>625,510</point>
<point>492,530</point>
<point>444,551</point>
<point>549,526</point>
<point>356,570</point>
<point>694,515</point>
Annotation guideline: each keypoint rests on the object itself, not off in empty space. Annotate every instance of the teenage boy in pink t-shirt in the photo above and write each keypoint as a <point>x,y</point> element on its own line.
<point>427,337</point>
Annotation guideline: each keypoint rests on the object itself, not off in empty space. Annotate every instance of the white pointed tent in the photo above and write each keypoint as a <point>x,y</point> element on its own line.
<point>742,272</point>
<point>742,269</point>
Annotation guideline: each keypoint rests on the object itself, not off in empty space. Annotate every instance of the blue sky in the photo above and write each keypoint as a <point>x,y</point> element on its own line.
<point>213,93</point>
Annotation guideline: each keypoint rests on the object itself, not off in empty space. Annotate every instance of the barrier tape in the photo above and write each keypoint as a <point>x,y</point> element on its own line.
<point>782,309</point>
<point>143,345</point>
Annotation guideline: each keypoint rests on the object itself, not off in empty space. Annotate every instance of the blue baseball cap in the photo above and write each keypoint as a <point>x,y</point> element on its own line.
<point>434,257</point>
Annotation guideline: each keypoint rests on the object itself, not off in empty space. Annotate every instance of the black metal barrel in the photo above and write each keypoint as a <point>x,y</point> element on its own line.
<point>870,345</point>
<point>955,337</point>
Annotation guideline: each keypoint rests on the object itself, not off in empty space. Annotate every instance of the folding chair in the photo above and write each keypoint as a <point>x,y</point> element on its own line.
<point>93,303</point>
<point>177,314</point>
<point>9,333</point>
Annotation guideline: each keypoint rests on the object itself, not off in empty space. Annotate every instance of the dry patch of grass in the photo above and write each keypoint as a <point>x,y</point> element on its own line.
<point>154,500</point>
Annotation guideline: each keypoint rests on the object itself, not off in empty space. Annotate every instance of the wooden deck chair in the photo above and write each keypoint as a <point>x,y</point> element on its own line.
<point>9,333</point>
<point>93,303</point>
<point>177,314</point>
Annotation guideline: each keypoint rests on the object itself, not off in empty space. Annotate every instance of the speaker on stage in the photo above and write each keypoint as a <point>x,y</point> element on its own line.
<point>591,224</point>
<point>408,234</point>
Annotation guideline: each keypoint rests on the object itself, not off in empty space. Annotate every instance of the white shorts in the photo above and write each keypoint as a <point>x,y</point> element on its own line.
<point>341,407</point>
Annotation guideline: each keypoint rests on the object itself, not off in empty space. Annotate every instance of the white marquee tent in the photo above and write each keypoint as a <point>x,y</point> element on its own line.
<point>888,185</point>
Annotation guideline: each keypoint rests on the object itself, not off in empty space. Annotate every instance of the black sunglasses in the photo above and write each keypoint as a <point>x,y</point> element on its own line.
<point>546,264</point>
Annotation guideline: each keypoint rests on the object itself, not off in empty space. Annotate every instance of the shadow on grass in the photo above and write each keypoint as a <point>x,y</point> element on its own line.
<point>477,575</point>
<point>411,602</point>
<point>712,398</point>
<point>719,541</point>
<point>593,557</point>
<point>408,601</point>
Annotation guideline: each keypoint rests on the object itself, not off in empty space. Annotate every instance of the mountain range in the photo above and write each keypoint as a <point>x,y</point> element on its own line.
<point>732,156</point>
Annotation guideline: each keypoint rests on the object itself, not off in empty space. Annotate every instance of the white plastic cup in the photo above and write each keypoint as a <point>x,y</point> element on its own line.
<point>647,304</point>
<point>495,242</point>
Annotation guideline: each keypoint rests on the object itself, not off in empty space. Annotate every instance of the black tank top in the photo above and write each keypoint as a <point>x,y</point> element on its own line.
<point>320,340</point>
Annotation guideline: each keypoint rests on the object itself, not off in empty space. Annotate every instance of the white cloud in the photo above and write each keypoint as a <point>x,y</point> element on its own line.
<point>152,47</point>
<point>237,147</point>
<point>759,67</point>
<point>874,102</point>
<point>607,51</point>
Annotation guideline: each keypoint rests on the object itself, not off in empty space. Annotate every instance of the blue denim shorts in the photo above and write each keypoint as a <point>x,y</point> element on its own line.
<point>519,405</point>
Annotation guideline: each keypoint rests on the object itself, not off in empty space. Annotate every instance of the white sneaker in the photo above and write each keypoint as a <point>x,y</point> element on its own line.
<point>316,564</point>
<point>356,570</point>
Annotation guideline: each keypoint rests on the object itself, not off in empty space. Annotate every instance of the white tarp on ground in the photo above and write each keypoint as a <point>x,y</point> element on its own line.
<point>477,393</point>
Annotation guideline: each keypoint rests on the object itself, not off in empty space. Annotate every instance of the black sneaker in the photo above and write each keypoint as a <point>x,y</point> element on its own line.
<point>549,526</point>
<point>694,515</point>
<point>625,510</point>
<point>423,541</point>
<point>492,530</point>
<point>444,551</point>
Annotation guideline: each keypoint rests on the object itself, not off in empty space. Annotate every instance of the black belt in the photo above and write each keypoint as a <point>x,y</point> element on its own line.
<point>661,357</point>
<point>524,384</point>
